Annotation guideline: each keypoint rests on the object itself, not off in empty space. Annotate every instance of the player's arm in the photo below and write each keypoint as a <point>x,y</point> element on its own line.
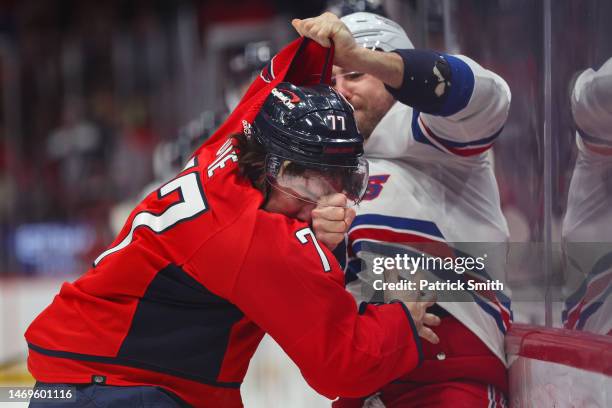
<point>460,107</point>
<point>464,113</point>
<point>592,109</point>
<point>291,286</point>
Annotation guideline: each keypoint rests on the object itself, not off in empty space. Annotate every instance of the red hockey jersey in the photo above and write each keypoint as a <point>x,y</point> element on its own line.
<point>183,296</point>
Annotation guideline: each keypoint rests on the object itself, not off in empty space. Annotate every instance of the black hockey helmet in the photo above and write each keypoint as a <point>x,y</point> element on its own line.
<point>313,124</point>
<point>313,144</point>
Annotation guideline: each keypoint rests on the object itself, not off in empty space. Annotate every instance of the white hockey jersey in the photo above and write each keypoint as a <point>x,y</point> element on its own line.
<point>432,180</point>
<point>587,225</point>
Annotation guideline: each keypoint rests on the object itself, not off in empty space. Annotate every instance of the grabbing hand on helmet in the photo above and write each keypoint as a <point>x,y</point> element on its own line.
<point>386,66</point>
<point>326,28</point>
<point>331,220</point>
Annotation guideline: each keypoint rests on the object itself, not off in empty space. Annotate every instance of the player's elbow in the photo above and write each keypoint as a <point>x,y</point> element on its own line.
<point>489,107</point>
<point>497,93</point>
<point>348,381</point>
<point>360,356</point>
<point>504,97</point>
<point>354,372</point>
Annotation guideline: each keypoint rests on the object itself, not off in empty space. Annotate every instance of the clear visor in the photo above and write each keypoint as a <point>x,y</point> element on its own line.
<point>313,182</point>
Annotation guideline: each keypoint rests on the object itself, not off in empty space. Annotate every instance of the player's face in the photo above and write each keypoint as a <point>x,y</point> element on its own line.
<point>367,94</point>
<point>289,205</point>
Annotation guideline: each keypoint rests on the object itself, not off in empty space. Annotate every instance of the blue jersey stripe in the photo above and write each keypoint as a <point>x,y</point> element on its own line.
<point>417,133</point>
<point>410,224</point>
<point>586,313</point>
<point>462,86</point>
<point>419,136</point>
<point>492,312</point>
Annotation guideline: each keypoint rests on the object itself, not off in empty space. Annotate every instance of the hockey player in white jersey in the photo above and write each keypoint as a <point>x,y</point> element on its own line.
<point>587,236</point>
<point>430,120</point>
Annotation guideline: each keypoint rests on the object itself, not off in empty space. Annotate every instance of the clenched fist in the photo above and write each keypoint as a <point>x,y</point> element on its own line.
<point>331,220</point>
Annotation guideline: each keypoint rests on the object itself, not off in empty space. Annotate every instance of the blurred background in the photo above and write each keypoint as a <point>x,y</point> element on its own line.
<point>103,101</point>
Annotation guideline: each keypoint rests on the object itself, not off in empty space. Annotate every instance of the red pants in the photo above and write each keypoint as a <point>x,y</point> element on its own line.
<point>460,371</point>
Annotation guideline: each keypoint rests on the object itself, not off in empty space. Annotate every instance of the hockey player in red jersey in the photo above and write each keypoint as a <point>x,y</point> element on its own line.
<point>171,313</point>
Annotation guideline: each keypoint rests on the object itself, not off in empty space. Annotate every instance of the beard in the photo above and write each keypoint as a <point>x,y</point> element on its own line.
<point>369,113</point>
<point>368,118</point>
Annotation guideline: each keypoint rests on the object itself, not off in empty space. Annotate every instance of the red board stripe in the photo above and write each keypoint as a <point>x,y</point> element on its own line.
<point>572,348</point>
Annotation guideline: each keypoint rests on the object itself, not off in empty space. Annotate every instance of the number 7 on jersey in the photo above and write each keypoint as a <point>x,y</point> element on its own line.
<point>191,204</point>
<point>302,236</point>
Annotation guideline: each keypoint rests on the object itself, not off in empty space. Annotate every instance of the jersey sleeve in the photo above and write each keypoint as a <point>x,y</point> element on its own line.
<point>471,112</point>
<point>592,109</point>
<point>293,289</point>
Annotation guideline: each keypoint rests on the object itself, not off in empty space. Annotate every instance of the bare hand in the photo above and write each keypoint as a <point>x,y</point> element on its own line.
<point>331,220</point>
<point>326,28</point>
<point>422,319</point>
<point>416,305</point>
